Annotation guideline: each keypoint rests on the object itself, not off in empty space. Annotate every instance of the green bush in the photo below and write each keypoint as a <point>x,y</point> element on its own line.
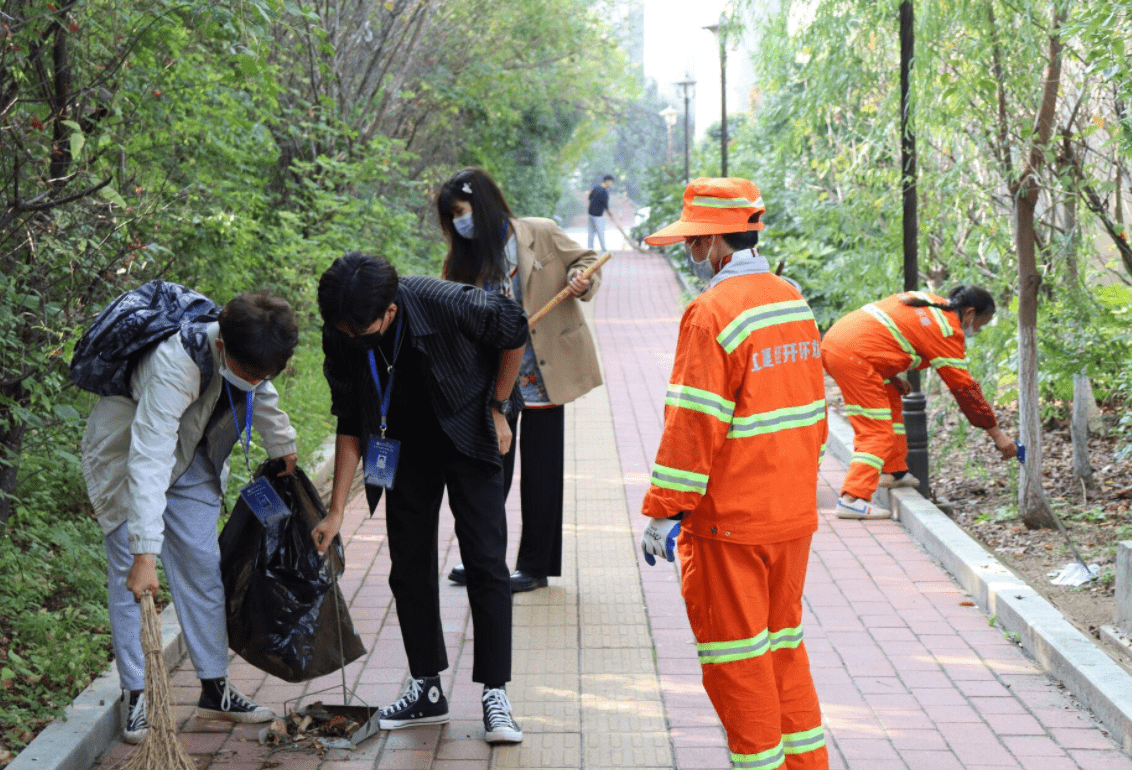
<point>54,626</point>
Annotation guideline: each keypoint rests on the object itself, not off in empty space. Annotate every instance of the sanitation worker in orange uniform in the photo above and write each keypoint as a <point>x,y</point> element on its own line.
<point>866,350</point>
<point>736,478</point>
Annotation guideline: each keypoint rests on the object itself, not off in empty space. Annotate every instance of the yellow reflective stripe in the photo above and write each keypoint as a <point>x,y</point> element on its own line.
<point>750,321</point>
<point>785,638</point>
<point>728,652</point>
<point>944,326</point>
<point>776,420</point>
<point>867,459</point>
<point>889,324</point>
<point>686,397</point>
<point>764,760</point>
<point>681,481</point>
<point>958,363</point>
<point>726,203</point>
<point>800,743</point>
<point>821,454</point>
<point>898,428</point>
<point>873,413</point>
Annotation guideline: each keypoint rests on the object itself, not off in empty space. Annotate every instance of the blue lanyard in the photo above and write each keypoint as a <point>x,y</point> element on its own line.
<point>389,368</point>
<point>248,415</point>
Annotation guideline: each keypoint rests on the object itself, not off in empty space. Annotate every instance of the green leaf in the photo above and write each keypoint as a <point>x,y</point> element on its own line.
<point>66,412</point>
<point>78,141</point>
<point>109,193</point>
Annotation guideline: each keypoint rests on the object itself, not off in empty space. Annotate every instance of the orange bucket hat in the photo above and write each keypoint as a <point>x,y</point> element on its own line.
<point>711,207</point>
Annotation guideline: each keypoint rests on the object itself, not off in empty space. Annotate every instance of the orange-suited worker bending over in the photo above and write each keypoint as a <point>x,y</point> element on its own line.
<point>736,478</point>
<point>866,350</point>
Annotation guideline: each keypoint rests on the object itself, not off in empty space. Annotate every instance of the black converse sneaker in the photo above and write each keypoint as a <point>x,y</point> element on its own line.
<point>220,700</point>
<point>498,724</point>
<point>422,702</point>
<point>136,723</point>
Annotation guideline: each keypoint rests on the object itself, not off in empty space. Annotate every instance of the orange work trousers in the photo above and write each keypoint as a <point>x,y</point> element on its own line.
<point>876,413</point>
<point>745,607</point>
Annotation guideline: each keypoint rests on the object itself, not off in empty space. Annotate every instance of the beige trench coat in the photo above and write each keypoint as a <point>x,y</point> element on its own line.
<point>562,343</point>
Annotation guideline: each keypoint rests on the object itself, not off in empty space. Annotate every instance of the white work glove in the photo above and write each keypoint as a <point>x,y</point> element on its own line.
<point>659,539</point>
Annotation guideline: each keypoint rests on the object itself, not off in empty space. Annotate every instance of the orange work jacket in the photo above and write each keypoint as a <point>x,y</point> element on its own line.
<point>894,337</point>
<point>745,413</point>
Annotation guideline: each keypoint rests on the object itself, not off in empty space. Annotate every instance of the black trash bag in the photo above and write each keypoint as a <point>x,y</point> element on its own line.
<point>281,609</point>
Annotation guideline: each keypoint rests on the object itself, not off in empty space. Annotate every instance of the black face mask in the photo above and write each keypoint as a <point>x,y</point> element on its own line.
<point>366,341</point>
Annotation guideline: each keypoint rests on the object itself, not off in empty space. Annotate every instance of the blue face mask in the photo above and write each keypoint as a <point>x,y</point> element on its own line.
<point>464,225</point>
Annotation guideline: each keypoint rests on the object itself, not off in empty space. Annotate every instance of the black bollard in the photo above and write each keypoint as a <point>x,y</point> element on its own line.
<point>916,430</point>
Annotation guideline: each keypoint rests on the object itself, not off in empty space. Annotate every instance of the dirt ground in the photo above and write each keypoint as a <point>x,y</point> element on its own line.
<point>968,476</point>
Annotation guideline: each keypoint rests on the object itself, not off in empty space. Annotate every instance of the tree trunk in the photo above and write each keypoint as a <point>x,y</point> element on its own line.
<point>1032,504</point>
<point>11,442</point>
<point>1079,430</point>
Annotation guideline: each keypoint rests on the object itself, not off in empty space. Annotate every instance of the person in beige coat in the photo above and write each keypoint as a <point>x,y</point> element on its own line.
<point>530,260</point>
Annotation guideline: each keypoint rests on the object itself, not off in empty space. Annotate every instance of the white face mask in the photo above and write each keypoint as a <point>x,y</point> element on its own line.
<point>464,225</point>
<point>706,254</point>
<point>969,330</point>
<point>233,379</point>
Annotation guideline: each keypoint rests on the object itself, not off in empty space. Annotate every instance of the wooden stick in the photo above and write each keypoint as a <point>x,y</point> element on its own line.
<point>589,271</point>
<point>636,246</point>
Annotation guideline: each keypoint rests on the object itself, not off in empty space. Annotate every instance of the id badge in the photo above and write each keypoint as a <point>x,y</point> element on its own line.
<point>381,461</point>
<point>264,501</point>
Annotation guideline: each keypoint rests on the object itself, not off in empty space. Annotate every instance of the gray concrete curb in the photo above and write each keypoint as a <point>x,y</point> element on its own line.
<point>94,720</point>
<point>1065,653</point>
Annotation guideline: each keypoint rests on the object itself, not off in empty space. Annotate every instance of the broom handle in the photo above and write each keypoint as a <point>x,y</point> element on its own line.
<point>589,271</point>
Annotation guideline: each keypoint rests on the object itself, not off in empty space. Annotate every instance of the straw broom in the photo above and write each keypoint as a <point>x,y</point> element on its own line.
<point>160,749</point>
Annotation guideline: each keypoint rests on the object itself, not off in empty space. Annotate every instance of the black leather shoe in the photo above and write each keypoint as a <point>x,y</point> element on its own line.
<point>458,576</point>
<point>521,581</point>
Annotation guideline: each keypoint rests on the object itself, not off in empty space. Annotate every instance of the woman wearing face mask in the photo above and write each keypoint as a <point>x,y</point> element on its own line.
<point>866,350</point>
<point>530,260</point>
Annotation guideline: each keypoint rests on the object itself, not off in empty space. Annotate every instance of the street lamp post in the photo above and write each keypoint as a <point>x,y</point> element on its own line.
<point>915,403</point>
<point>688,84</point>
<point>670,115</point>
<point>720,31</point>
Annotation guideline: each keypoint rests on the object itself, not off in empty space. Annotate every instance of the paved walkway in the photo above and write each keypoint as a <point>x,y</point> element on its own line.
<point>910,674</point>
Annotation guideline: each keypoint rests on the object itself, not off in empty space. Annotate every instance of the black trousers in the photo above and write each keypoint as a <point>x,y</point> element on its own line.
<point>412,510</point>
<point>541,436</point>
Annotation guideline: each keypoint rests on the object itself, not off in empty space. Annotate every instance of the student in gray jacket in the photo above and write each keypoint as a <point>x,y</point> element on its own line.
<point>155,463</point>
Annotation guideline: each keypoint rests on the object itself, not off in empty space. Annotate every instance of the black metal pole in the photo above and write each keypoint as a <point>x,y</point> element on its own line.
<point>685,135</point>
<point>723,102</point>
<point>915,403</point>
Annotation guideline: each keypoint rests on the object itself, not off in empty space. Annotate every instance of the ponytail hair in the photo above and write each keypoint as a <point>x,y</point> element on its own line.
<point>958,299</point>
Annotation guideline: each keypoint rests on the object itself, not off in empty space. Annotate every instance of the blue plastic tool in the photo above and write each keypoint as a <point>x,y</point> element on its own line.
<point>1021,451</point>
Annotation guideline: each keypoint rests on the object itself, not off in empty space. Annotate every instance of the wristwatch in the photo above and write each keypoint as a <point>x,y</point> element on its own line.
<point>503,407</point>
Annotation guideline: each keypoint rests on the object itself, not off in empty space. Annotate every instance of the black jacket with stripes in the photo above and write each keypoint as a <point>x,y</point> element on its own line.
<point>461,331</point>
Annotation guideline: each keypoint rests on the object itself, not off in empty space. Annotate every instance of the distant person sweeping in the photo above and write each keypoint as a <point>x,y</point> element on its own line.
<point>866,350</point>
<point>596,210</point>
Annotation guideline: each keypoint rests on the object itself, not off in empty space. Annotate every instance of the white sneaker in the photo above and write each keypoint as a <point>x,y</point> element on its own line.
<point>856,508</point>
<point>888,481</point>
